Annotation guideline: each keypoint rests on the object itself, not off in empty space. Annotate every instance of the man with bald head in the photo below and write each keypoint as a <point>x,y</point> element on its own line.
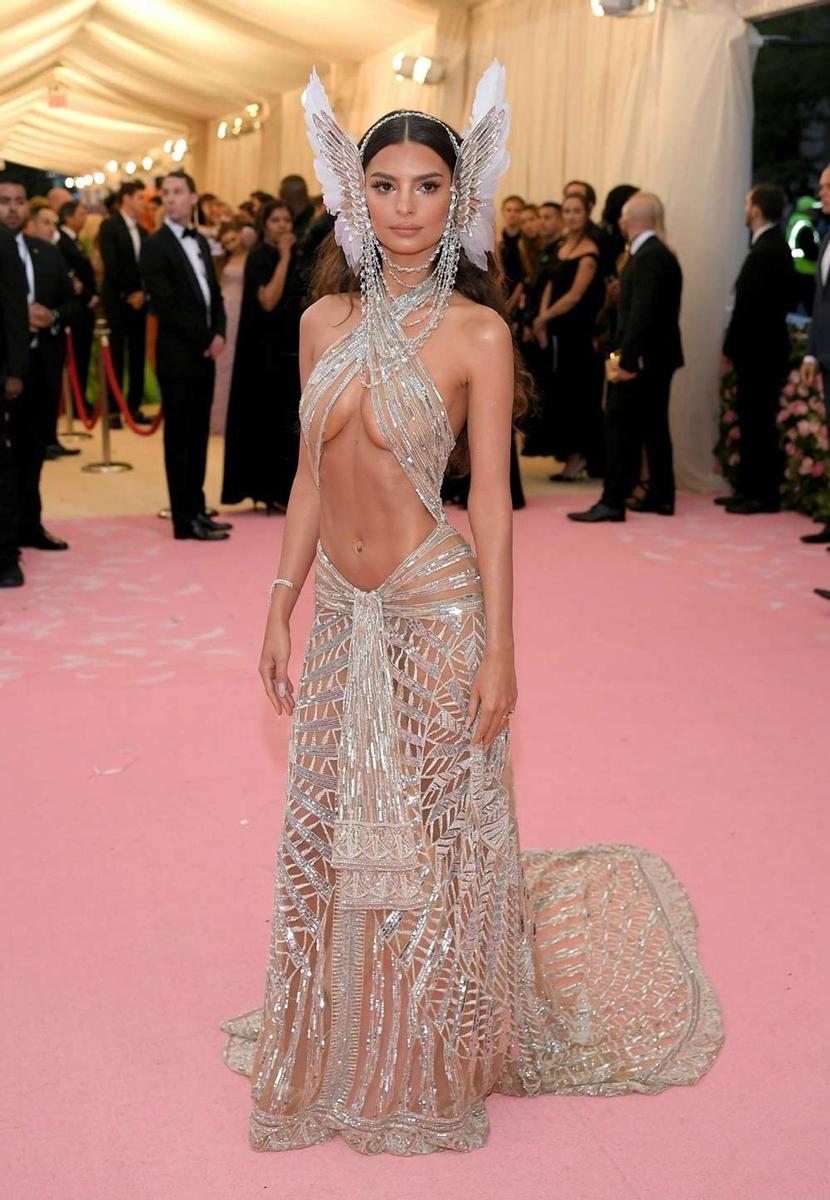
<point>56,197</point>
<point>640,370</point>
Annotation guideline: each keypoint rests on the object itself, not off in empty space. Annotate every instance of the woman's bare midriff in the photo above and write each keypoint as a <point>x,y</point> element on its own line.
<point>371,517</point>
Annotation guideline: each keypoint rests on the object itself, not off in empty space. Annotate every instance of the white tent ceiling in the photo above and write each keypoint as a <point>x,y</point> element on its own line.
<point>137,72</point>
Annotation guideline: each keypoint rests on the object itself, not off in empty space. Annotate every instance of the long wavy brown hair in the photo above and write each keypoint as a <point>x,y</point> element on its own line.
<point>333,275</point>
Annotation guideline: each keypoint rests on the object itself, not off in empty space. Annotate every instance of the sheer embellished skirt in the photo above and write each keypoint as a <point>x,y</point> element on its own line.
<point>418,961</point>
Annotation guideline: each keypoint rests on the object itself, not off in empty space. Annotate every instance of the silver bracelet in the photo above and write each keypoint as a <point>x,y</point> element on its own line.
<point>278,583</point>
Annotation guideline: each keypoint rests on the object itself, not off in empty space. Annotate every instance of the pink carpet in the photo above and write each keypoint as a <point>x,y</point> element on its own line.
<point>673,693</point>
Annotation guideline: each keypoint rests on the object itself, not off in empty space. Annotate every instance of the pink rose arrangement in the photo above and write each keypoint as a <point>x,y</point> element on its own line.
<point>802,425</point>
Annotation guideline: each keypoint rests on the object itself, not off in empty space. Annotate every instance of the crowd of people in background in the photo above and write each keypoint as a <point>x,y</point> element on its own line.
<point>593,300</point>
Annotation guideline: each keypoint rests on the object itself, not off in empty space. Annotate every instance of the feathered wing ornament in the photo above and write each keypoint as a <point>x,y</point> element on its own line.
<point>339,169</point>
<point>482,159</point>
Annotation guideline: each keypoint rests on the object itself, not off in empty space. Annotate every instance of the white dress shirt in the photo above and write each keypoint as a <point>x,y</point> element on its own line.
<point>824,271</point>
<point>757,232</point>
<point>26,259</point>
<point>135,236</point>
<point>824,266</point>
<point>639,239</point>
<point>190,245</point>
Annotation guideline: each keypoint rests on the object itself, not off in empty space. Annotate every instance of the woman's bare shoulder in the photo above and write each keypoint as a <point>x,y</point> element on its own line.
<point>480,325</point>
<point>327,311</point>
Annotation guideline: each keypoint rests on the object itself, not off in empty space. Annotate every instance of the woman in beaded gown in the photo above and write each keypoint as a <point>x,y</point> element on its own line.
<point>418,961</point>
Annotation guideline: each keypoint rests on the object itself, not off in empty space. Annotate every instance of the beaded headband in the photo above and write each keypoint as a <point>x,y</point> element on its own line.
<point>407,112</point>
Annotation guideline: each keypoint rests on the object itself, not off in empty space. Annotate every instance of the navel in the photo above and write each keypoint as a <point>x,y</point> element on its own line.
<point>358,546</point>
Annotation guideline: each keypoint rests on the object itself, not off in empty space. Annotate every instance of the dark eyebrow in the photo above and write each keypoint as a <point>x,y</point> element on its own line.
<point>393,178</point>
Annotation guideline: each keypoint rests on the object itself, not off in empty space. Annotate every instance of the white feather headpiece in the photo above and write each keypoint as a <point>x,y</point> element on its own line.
<point>482,158</point>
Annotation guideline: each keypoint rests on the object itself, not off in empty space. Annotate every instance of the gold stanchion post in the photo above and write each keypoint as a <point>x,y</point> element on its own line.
<point>106,466</point>
<point>69,410</point>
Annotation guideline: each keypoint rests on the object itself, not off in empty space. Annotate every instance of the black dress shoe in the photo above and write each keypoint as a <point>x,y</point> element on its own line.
<point>599,512</point>
<point>823,592</point>
<point>209,522</point>
<point>42,539</point>
<point>11,576</point>
<point>650,506</point>
<point>817,539</point>
<point>724,500</point>
<point>749,508</point>
<point>141,419</point>
<point>56,450</point>
<point>200,532</point>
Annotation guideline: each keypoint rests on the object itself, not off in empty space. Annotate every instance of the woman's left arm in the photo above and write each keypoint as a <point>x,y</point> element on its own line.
<point>585,273</point>
<point>490,509</point>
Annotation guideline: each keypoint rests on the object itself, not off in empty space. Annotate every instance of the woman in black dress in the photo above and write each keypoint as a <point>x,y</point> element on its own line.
<point>536,423</point>
<point>564,327</point>
<point>263,431</point>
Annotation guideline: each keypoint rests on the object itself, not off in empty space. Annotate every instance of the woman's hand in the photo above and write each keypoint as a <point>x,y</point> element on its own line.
<point>492,696</point>
<point>285,243</point>
<point>273,664</point>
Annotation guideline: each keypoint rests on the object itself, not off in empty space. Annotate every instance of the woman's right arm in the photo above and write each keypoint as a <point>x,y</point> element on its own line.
<point>299,546</point>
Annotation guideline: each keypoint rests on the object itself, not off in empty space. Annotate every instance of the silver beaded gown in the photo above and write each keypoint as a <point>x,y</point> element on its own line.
<point>418,959</point>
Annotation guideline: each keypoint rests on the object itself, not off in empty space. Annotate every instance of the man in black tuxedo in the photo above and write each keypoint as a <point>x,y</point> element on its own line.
<point>14,361</point>
<point>72,216</point>
<point>52,305</point>
<point>43,225</point>
<point>640,371</point>
<point>757,344</point>
<point>817,358</point>
<point>179,278</point>
<point>121,238</point>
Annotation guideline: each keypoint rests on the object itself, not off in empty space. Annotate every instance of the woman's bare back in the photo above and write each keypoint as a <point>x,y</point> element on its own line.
<point>371,517</point>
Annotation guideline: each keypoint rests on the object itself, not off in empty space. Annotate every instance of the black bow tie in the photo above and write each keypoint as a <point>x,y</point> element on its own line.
<point>189,232</point>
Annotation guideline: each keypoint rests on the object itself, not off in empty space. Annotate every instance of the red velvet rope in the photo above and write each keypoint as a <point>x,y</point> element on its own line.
<point>75,397</point>
<point>141,430</point>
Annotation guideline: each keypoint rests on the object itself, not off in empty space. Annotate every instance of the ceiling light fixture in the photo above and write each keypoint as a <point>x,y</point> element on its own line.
<point>419,68</point>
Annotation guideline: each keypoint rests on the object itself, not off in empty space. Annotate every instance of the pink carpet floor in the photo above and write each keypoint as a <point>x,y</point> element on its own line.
<point>673,693</point>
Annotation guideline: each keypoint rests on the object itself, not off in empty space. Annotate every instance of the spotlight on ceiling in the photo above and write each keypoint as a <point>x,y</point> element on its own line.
<point>147,162</point>
<point>616,8</point>
<point>69,182</point>
<point>168,146</point>
<point>98,177</point>
<point>237,124</point>
<point>419,68</point>
<point>129,167</point>
<point>112,166</point>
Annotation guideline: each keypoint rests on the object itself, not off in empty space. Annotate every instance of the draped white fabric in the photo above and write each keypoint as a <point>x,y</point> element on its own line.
<point>137,73</point>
